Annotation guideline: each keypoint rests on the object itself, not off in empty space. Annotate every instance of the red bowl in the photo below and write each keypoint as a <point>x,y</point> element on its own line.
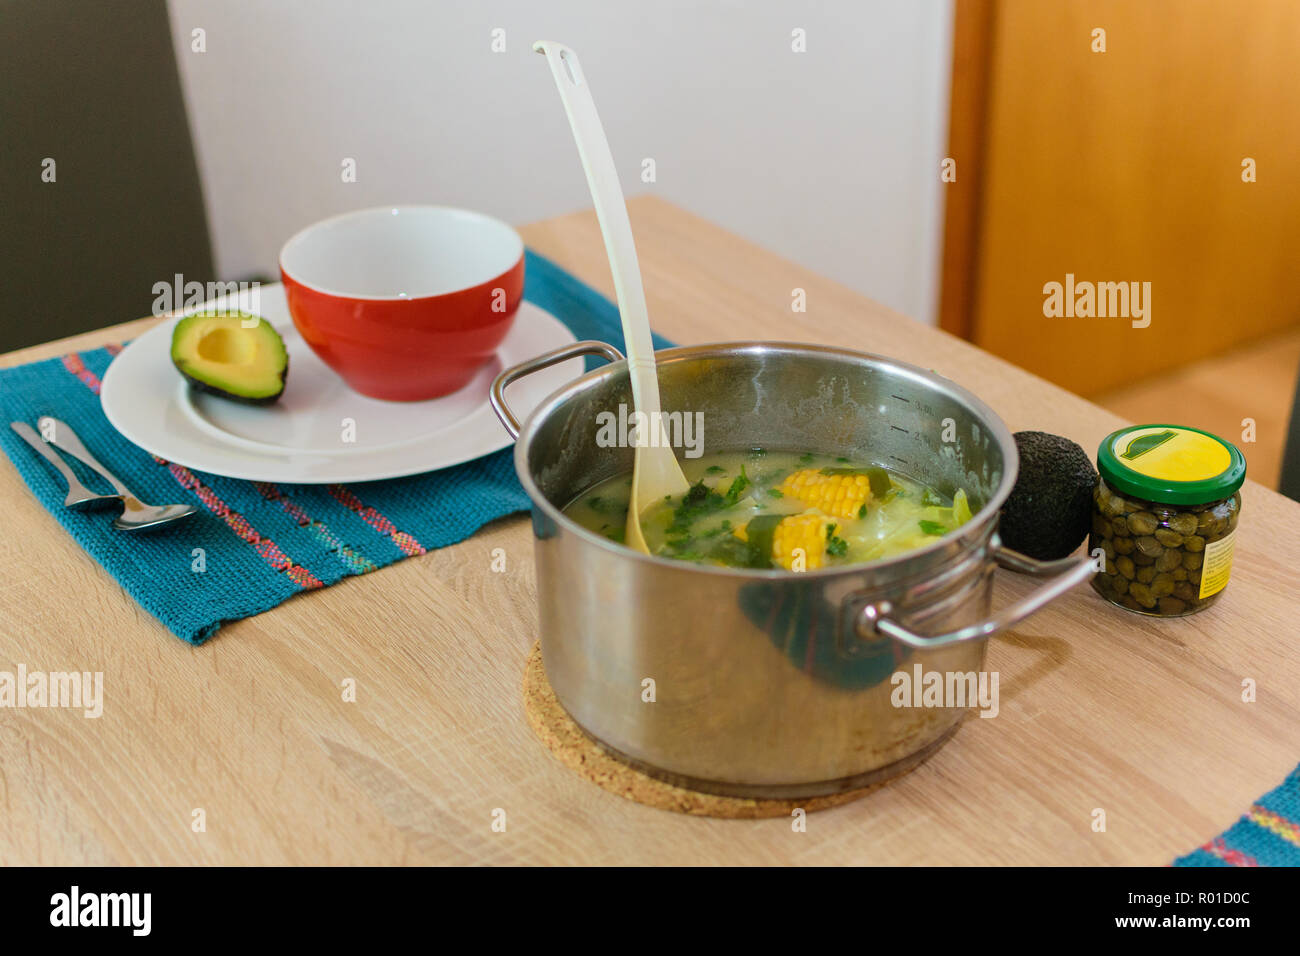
<point>405,302</point>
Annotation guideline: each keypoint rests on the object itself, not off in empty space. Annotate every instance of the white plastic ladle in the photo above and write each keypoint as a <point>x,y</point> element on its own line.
<point>655,472</point>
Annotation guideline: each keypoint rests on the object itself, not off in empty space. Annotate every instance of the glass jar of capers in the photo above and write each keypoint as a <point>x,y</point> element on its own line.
<point>1164,518</point>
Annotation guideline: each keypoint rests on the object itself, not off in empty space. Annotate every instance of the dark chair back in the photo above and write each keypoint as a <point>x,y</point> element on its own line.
<point>1289,484</point>
<point>94,87</point>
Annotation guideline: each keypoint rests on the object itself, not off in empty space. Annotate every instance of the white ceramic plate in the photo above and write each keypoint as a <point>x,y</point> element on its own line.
<point>303,438</point>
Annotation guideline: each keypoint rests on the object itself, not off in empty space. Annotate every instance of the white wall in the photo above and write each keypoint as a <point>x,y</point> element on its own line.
<point>829,157</point>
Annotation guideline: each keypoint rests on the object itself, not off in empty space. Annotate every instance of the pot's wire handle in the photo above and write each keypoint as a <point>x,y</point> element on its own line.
<point>554,357</point>
<point>1065,574</point>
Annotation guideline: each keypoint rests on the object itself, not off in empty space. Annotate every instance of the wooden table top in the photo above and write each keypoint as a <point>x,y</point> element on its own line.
<point>1100,708</point>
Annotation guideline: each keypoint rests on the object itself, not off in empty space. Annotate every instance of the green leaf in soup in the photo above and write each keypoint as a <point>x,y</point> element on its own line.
<point>699,501</point>
<point>932,498</point>
<point>734,553</point>
<point>835,545</point>
<point>960,507</point>
<point>932,527</point>
<point>714,470</point>
<point>738,487</point>
<point>775,493</point>
<point>880,482</point>
<point>760,532</point>
<point>606,506</point>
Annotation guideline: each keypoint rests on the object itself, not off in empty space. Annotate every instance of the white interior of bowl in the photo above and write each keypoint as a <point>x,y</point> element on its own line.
<point>401,252</point>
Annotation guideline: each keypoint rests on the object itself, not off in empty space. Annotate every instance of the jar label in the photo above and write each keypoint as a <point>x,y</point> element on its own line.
<point>1217,566</point>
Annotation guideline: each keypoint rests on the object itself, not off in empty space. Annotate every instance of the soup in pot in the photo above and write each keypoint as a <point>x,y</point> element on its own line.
<point>769,509</point>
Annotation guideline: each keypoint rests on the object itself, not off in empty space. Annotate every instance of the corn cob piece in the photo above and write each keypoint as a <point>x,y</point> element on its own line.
<point>806,532</point>
<point>783,536</point>
<point>839,495</point>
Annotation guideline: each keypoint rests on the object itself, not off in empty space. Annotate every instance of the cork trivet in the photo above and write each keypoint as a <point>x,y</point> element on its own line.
<point>577,751</point>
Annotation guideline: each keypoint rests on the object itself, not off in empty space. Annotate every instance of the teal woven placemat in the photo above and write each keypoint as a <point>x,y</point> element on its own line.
<point>1268,834</point>
<point>262,543</point>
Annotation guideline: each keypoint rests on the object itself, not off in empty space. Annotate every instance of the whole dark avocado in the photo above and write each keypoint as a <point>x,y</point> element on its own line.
<point>1049,511</point>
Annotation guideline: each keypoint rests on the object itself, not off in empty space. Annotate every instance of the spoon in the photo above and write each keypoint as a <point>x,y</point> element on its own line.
<point>655,472</point>
<point>79,496</point>
<point>136,515</point>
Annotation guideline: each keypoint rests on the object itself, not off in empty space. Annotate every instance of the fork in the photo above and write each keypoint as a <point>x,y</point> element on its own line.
<point>136,515</point>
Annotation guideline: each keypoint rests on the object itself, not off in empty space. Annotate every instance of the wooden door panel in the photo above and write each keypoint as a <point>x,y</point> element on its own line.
<point>1126,166</point>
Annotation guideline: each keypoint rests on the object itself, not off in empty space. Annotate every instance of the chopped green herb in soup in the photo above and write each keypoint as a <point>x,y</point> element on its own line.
<point>792,510</point>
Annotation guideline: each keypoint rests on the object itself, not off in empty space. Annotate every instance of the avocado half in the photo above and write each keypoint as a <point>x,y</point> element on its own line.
<point>232,354</point>
<point>1049,511</point>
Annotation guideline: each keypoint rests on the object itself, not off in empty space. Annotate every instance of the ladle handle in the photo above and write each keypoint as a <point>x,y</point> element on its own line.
<point>554,357</point>
<point>611,211</point>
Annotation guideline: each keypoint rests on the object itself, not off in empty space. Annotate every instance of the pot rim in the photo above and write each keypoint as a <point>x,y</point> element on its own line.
<point>991,421</point>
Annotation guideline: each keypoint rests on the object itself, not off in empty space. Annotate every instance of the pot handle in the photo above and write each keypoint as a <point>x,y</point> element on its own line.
<point>1066,573</point>
<point>545,360</point>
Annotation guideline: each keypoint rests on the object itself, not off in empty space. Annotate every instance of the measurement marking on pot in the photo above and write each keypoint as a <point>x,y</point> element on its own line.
<point>897,429</point>
<point>901,461</point>
<point>902,399</point>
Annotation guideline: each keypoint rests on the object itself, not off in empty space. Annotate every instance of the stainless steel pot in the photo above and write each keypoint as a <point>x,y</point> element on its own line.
<point>768,683</point>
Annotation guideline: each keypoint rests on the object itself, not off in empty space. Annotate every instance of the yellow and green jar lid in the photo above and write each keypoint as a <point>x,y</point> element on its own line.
<point>1171,464</point>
